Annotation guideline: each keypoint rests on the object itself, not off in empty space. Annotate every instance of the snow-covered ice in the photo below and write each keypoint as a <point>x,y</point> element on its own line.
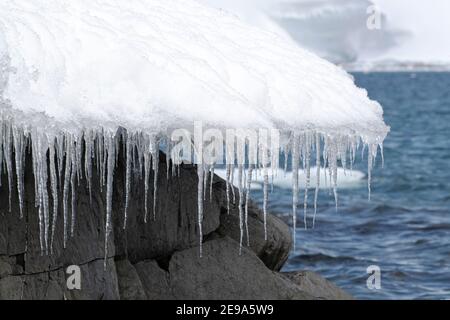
<point>73,72</point>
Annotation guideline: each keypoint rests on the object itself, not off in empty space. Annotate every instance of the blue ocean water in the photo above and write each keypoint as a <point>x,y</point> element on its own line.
<point>405,228</point>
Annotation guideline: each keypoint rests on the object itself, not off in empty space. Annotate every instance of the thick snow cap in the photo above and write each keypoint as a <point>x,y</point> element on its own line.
<point>162,64</point>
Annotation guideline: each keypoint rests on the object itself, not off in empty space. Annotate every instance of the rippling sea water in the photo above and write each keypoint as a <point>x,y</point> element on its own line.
<point>405,228</point>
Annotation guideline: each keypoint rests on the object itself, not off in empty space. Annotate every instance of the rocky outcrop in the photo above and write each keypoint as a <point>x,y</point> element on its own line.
<point>154,260</point>
<point>316,285</point>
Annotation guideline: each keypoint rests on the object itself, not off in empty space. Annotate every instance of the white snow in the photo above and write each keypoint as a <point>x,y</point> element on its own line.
<point>153,65</point>
<point>73,72</point>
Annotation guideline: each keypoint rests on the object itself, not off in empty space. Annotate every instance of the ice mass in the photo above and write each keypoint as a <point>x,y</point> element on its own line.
<point>80,79</point>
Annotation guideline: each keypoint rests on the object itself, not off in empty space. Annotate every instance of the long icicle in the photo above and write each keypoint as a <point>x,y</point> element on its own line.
<point>19,150</point>
<point>54,189</point>
<point>211,181</point>
<point>146,183</point>
<point>265,199</point>
<point>200,173</point>
<point>45,203</point>
<point>8,153</point>
<point>109,192</point>
<point>295,164</point>
<point>247,199</point>
<point>129,148</point>
<point>316,192</point>
<point>155,163</point>
<point>227,181</point>
<point>241,203</point>
<point>308,178</point>
<point>88,162</point>
<point>73,188</point>
<point>67,170</point>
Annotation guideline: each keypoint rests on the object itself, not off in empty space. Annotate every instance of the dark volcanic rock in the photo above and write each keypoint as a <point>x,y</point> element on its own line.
<point>130,285</point>
<point>224,274</point>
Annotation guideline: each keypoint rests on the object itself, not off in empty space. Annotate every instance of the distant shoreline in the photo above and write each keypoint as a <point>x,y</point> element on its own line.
<point>395,66</point>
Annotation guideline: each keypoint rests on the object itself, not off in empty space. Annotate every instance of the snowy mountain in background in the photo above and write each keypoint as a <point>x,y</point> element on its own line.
<point>412,36</point>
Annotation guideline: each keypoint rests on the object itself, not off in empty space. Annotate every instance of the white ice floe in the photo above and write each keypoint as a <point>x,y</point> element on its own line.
<point>348,179</point>
<point>73,72</point>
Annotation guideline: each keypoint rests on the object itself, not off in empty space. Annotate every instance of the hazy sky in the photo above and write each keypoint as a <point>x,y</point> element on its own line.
<point>411,30</point>
<point>429,25</point>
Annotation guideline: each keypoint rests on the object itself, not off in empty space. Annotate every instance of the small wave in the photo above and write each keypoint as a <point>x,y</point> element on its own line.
<point>435,227</point>
<point>347,179</point>
<point>320,257</point>
<point>385,208</point>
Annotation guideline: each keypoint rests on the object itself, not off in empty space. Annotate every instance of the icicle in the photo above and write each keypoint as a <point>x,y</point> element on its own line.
<point>316,193</point>
<point>109,191</point>
<point>38,194</point>
<point>205,181</point>
<point>174,166</point>
<point>295,164</point>
<point>200,172</point>
<point>265,199</point>
<point>227,181</point>
<point>155,162</point>
<point>19,150</point>
<point>263,161</point>
<point>60,156</point>
<point>325,162</point>
<point>308,177</point>
<point>54,189</point>
<point>241,203</point>
<point>371,154</point>
<point>78,157</point>
<point>41,228</point>
<point>73,187</point>
<point>8,153</point>
<point>232,183</point>
<point>334,172</point>
<point>43,183</point>
<point>247,198</point>
<point>211,181</point>
<point>129,148</point>
<point>67,170</point>
<point>88,162</point>
<point>168,153</point>
<point>286,156</point>
<point>40,174</point>
<point>230,160</point>
<point>146,182</point>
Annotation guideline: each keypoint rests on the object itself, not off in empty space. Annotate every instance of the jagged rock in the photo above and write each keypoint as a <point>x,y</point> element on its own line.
<point>222,273</point>
<point>155,280</point>
<point>98,283</point>
<point>5,266</point>
<point>130,285</point>
<point>45,285</point>
<point>317,286</point>
<point>11,288</point>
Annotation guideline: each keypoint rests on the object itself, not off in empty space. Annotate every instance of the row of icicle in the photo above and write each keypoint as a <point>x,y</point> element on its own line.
<point>61,161</point>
